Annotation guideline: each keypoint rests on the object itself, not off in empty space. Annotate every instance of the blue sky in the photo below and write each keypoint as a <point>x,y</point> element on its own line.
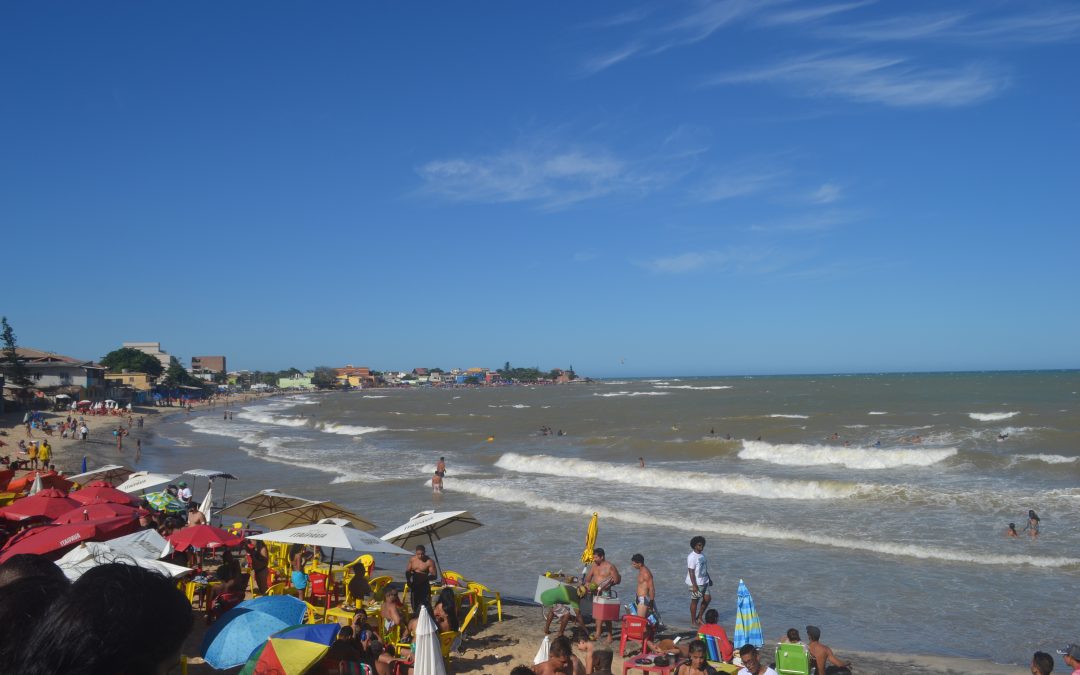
<point>674,187</point>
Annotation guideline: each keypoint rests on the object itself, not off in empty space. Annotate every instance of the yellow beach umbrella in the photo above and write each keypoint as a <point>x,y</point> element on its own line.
<point>590,538</point>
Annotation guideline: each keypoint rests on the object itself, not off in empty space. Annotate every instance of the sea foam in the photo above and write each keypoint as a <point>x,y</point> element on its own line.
<point>792,417</point>
<point>690,386</point>
<point>514,495</point>
<point>633,393</point>
<point>1049,459</point>
<point>666,479</point>
<point>346,429</point>
<point>992,417</point>
<point>799,454</point>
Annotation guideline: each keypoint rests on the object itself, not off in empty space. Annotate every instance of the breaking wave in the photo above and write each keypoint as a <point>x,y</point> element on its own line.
<point>791,417</point>
<point>279,420</point>
<point>1049,459</point>
<point>346,429</point>
<point>799,454</point>
<point>633,393</point>
<point>514,495</point>
<point>690,386</point>
<point>665,479</point>
<point>992,417</point>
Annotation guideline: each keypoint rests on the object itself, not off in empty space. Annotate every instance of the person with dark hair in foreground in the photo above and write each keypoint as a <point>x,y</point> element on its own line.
<point>821,655</point>
<point>24,565</point>
<point>561,660</point>
<point>1042,664</point>
<point>752,665</point>
<point>25,602</point>
<point>116,619</point>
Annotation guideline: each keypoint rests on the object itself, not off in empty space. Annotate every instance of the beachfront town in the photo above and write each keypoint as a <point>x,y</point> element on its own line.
<point>142,373</point>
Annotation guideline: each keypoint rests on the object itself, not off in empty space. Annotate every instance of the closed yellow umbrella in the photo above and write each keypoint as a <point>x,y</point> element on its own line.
<point>590,538</point>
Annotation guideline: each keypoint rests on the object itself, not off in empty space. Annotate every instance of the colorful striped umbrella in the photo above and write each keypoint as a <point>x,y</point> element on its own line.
<point>747,623</point>
<point>165,502</point>
<point>244,628</point>
<point>293,651</point>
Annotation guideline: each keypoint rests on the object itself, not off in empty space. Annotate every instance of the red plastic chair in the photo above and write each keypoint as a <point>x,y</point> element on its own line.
<point>317,587</point>
<point>634,628</point>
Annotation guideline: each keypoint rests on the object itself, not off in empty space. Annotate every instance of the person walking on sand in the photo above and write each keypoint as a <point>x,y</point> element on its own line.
<point>822,655</point>
<point>646,588</point>
<point>697,578</point>
<point>138,449</point>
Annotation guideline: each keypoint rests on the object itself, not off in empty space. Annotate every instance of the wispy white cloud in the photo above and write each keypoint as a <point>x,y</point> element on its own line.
<point>601,62</point>
<point>741,183</point>
<point>733,260</point>
<point>701,22</point>
<point>1051,23</point>
<point>827,193</point>
<point>810,14</point>
<point>874,79</point>
<point>551,174</point>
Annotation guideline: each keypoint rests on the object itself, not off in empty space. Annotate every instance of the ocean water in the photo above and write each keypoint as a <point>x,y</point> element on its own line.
<point>889,535</point>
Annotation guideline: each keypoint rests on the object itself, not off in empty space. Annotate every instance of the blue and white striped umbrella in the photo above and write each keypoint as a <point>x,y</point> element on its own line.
<point>747,623</point>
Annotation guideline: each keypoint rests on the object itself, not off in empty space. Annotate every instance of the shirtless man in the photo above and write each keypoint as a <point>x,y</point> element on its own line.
<point>391,613</point>
<point>821,655</point>
<point>646,589</point>
<point>561,660</point>
<point>436,482</point>
<point>195,517</point>
<point>440,467</point>
<point>604,575</point>
<point>419,573</point>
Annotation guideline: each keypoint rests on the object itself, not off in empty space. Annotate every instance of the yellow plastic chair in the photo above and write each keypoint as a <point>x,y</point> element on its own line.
<point>276,589</point>
<point>378,584</point>
<point>485,598</point>
<point>314,614</point>
<point>454,578</point>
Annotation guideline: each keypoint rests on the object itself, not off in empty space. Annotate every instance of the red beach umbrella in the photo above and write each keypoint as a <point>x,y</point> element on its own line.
<point>103,495</point>
<point>53,540</point>
<point>99,511</point>
<point>45,504</point>
<point>48,480</point>
<point>202,536</point>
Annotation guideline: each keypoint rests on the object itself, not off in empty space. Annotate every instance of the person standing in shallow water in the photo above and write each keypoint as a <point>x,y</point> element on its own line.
<point>1033,524</point>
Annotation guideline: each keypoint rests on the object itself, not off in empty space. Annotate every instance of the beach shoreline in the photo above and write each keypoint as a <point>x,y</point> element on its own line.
<point>495,647</point>
<point>516,641</point>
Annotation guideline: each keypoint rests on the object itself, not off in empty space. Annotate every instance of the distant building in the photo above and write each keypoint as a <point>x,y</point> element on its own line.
<point>207,364</point>
<point>355,377</point>
<point>137,381</point>
<point>58,372</point>
<point>153,349</point>
<point>299,382</point>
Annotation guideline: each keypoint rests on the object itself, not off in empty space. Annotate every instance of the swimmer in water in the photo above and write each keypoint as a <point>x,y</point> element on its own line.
<point>1011,531</point>
<point>1033,524</point>
<point>641,460</point>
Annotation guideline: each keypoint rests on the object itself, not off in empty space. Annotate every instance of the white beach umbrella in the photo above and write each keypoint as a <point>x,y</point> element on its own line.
<point>90,554</point>
<point>144,480</point>
<point>36,487</point>
<point>109,472</point>
<point>307,514</point>
<point>336,534</point>
<point>207,503</point>
<point>142,544</point>
<point>428,659</point>
<point>544,651</point>
<point>427,527</point>
<point>262,503</point>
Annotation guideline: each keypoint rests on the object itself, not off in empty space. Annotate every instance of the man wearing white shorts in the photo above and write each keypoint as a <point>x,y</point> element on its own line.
<point>697,578</point>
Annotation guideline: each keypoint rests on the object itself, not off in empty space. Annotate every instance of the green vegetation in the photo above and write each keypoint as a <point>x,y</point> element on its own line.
<point>325,378</point>
<point>14,370</point>
<point>132,360</point>
<point>177,376</point>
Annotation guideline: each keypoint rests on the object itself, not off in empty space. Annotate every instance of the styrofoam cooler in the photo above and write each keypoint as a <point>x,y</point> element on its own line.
<point>605,609</point>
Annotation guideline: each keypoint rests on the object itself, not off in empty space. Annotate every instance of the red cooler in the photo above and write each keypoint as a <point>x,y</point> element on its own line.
<point>605,609</point>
